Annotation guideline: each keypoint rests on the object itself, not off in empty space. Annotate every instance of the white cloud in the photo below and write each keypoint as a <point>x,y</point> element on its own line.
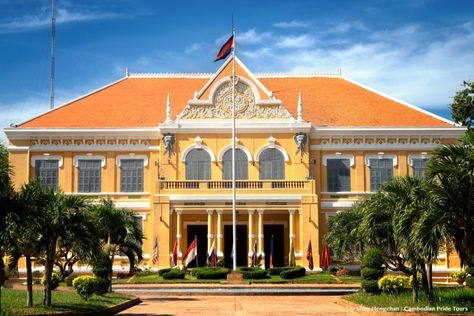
<point>194,47</point>
<point>302,41</point>
<point>43,19</point>
<point>291,24</point>
<point>407,62</point>
<point>252,37</point>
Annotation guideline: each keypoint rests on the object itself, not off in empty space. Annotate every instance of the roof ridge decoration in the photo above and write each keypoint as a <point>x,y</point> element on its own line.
<point>170,75</point>
<point>248,104</point>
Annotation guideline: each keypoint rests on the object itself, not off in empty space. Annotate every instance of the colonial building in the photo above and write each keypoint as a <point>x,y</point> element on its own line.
<point>308,145</point>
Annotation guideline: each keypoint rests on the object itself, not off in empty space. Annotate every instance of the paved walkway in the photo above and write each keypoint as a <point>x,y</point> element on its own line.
<point>239,305</point>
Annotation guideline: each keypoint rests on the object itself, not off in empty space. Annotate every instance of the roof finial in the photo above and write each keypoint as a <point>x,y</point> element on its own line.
<point>300,108</point>
<point>168,109</point>
<point>126,71</point>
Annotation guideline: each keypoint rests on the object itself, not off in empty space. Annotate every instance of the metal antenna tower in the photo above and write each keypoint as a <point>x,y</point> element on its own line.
<point>53,46</point>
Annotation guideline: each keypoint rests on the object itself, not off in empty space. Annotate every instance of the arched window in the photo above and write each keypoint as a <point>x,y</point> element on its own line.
<point>241,165</point>
<point>198,165</point>
<point>272,165</point>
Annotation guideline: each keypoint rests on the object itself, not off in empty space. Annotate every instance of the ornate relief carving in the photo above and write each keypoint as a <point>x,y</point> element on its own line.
<point>245,105</point>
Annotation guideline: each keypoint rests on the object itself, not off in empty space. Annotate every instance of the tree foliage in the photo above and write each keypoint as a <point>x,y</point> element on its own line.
<point>462,108</point>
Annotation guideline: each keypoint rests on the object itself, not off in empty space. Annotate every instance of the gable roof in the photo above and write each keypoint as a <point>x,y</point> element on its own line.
<point>140,101</point>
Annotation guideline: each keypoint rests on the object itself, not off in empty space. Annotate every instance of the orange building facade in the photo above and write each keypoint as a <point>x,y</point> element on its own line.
<point>308,145</point>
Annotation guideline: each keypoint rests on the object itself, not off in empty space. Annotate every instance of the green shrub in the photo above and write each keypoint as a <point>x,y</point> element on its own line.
<point>210,273</point>
<point>70,278</point>
<point>293,273</point>
<point>102,286</point>
<point>85,286</point>
<point>370,286</point>
<point>470,270</point>
<point>102,266</point>
<point>392,284</point>
<point>164,270</point>
<point>174,274</point>
<point>277,270</point>
<point>253,273</point>
<point>371,273</point>
<point>54,280</point>
<point>373,258</point>
<point>418,280</point>
<point>470,282</point>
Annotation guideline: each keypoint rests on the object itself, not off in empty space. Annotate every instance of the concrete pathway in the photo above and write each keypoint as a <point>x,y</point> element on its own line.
<point>239,305</point>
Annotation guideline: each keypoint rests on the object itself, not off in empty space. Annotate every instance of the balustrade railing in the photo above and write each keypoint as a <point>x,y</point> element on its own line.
<point>240,184</point>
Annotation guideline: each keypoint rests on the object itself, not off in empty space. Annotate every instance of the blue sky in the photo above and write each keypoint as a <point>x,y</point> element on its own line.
<point>418,51</point>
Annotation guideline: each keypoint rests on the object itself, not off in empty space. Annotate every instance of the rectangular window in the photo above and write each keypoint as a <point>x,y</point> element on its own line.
<point>131,175</point>
<point>381,170</point>
<point>47,173</point>
<point>89,176</point>
<point>419,166</point>
<point>339,175</point>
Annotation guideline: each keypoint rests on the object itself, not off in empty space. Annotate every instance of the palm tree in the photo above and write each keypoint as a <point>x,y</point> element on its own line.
<point>65,217</point>
<point>452,166</point>
<point>119,231</point>
<point>418,223</point>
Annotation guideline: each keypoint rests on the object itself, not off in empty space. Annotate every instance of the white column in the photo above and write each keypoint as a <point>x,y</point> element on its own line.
<point>179,235</point>
<point>300,230</point>
<point>219,236</point>
<point>291,228</point>
<point>251,234</point>
<point>260,233</point>
<point>209,228</point>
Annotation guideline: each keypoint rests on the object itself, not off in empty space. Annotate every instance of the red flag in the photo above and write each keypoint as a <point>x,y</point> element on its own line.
<point>309,256</point>
<point>225,49</point>
<point>174,258</point>
<point>191,253</point>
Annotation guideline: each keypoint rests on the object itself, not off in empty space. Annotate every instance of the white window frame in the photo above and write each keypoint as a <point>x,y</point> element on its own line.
<point>47,157</point>
<point>338,156</point>
<point>132,156</point>
<point>417,156</point>
<point>381,156</point>
<point>89,157</point>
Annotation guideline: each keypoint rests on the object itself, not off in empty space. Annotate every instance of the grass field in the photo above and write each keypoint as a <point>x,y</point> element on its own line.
<point>13,302</point>
<point>447,300</point>
<point>323,277</point>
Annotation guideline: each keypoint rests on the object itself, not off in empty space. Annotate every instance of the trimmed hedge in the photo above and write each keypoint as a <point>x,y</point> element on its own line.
<point>253,273</point>
<point>370,286</point>
<point>87,285</point>
<point>296,272</point>
<point>393,284</point>
<point>470,282</point>
<point>162,271</point>
<point>278,270</point>
<point>371,273</point>
<point>210,273</point>
<point>174,274</point>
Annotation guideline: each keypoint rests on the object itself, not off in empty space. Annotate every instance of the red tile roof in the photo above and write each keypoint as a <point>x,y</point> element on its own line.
<point>141,102</point>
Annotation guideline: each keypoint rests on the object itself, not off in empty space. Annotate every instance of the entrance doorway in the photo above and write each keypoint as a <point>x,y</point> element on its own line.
<point>200,231</point>
<point>241,249</point>
<point>277,232</point>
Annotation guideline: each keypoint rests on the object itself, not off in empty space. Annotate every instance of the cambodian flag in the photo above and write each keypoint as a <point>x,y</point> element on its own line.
<point>212,253</point>
<point>309,256</point>
<point>225,49</point>
<point>271,253</point>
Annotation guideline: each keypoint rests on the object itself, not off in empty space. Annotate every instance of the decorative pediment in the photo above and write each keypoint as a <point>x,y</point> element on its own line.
<point>248,104</point>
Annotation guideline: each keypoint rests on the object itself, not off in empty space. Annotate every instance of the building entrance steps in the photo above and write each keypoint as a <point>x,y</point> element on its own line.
<point>238,289</point>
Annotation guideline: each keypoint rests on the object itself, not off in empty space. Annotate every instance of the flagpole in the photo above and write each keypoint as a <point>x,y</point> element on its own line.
<point>234,228</point>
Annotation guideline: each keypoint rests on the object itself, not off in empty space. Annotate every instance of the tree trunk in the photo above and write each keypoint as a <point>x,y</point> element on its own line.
<point>48,271</point>
<point>112,271</point>
<point>29,283</point>
<point>430,280</point>
<point>424,283</point>
<point>414,285</point>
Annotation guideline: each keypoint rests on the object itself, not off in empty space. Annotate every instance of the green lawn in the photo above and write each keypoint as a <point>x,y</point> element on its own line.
<point>447,300</point>
<point>323,277</point>
<point>13,302</point>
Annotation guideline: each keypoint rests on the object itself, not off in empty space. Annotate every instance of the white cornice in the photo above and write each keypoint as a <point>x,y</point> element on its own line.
<point>35,133</point>
<point>242,126</point>
<point>445,132</point>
